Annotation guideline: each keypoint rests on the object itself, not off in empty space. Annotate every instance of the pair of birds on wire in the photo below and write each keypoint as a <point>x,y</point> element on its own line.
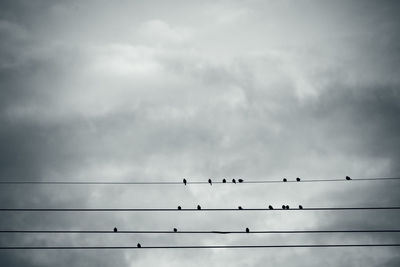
<point>284,207</point>
<point>297,179</point>
<point>198,207</point>
<point>223,181</point>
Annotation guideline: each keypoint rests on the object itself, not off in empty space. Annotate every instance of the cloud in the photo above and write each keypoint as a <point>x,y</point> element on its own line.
<point>220,90</point>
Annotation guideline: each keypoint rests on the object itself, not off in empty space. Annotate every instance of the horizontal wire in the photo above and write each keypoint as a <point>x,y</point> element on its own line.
<point>196,232</point>
<point>181,210</point>
<point>194,182</point>
<point>194,247</point>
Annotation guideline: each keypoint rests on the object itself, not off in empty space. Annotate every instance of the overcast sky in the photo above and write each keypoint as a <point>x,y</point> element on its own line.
<point>161,90</point>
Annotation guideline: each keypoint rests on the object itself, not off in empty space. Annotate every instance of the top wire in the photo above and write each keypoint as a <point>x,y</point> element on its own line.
<point>186,181</point>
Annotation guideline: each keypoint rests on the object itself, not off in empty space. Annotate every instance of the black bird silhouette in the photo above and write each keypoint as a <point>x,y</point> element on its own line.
<point>209,181</point>
<point>198,207</point>
<point>175,230</point>
<point>224,180</point>
<point>247,230</point>
<point>240,207</point>
<point>179,207</point>
<point>284,179</point>
<point>348,178</point>
<point>138,245</point>
<point>298,179</point>
<point>234,181</point>
<point>184,181</point>
<point>300,207</point>
<point>287,207</point>
<point>240,180</point>
<point>115,229</point>
<point>283,207</point>
<point>270,207</point>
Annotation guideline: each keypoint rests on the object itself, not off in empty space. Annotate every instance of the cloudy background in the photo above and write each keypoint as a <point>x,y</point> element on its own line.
<point>161,90</point>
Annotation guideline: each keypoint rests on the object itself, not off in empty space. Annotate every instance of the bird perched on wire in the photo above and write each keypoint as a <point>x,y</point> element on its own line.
<point>284,179</point>
<point>247,230</point>
<point>270,207</point>
<point>348,178</point>
<point>283,207</point>
<point>287,207</point>
<point>240,180</point>
<point>234,181</point>
<point>298,179</point>
<point>198,207</point>
<point>179,207</point>
<point>209,181</point>
<point>184,181</point>
<point>138,245</point>
<point>175,230</point>
<point>224,180</point>
<point>115,229</point>
<point>300,207</point>
<point>240,208</point>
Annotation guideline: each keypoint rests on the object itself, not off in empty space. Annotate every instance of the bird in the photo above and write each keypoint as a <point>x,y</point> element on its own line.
<point>224,180</point>
<point>198,207</point>
<point>209,181</point>
<point>247,230</point>
<point>298,179</point>
<point>270,207</point>
<point>234,181</point>
<point>138,245</point>
<point>300,207</point>
<point>348,178</point>
<point>179,207</point>
<point>240,180</point>
<point>287,207</point>
<point>283,207</point>
<point>115,229</point>
<point>175,230</point>
<point>284,179</point>
<point>240,207</point>
<point>184,181</point>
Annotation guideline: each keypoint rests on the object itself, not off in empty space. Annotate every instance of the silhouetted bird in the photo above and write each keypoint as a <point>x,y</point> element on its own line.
<point>209,181</point>
<point>270,207</point>
<point>298,179</point>
<point>287,207</point>
<point>198,207</point>
<point>138,245</point>
<point>240,180</point>
<point>175,230</point>
<point>115,229</point>
<point>179,207</point>
<point>348,178</point>
<point>184,181</point>
<point>224,180</point>
<point>247,230</point>
<point>234,181</point>
<point>300,207</point>
<point>283,207</point>
<point>240,208</point>
<point>284,179</point>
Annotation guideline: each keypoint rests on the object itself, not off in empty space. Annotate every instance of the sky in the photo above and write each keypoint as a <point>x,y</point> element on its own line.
<point>162,90</point>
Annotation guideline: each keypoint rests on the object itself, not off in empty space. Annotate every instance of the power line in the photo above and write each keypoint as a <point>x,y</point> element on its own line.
<point>189,182</point>
<point>183,210</point>
<point>195,232</point>
<point>193,247</point>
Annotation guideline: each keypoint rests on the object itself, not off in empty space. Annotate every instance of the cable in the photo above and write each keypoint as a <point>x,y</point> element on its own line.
<point>188,182</point>
<point>198,247</point>
<point>182,210</point>
<point>195,232</point>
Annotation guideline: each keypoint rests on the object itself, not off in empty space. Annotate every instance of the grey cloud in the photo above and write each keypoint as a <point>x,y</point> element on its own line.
<point>88,97</point>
